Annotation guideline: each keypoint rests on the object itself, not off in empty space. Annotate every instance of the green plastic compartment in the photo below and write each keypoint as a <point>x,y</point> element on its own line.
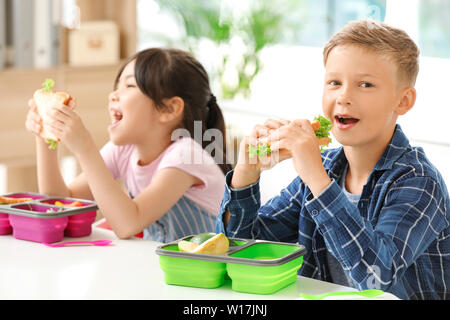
<point>191,273</point>
<point>264,279</point>
<point>254,266</point>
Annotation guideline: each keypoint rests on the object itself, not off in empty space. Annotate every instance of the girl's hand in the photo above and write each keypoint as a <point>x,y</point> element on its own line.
<point>67,125</point>
<point>33,122</point>
<point>248,169</point>
<point>299,140</point>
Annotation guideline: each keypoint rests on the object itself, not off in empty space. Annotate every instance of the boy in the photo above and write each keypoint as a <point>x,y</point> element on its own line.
<point>373,213</point>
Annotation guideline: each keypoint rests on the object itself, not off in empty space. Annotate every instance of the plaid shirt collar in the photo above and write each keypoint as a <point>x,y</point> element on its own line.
<point>395,149</point>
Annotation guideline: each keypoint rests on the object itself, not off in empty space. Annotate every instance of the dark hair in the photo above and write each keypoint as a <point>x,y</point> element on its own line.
<point>164,73</point>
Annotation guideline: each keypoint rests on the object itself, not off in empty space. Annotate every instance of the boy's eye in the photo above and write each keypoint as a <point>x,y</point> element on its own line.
<point>366,84</point>
<point>334,83</point>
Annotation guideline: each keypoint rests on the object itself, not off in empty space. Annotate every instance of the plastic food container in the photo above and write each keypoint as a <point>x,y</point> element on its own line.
<point>78,225</point>
<point>5,226</point>
<point>254,266</point>
<point>41,220</point>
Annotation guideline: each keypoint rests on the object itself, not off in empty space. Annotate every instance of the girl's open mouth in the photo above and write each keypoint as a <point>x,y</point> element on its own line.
<point>116,116</point>
<point>345,122</point>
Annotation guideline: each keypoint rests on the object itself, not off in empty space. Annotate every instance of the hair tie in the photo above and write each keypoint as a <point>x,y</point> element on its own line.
<point>212,101</point>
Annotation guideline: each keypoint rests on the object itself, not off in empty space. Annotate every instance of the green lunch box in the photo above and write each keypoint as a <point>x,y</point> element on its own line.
<point>254,266</point>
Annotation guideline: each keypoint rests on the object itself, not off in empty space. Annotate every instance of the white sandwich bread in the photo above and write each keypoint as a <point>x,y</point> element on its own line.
<point>45,99</point>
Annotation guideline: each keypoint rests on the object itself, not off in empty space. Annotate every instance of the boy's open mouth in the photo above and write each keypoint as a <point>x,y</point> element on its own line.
<point>346,120</point>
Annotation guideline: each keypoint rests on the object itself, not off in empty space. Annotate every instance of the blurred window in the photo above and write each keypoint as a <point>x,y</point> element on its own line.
<point>290,81</point>
<point>434,28</point>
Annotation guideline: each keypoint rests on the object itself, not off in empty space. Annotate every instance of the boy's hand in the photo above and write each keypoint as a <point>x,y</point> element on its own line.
<point>248,169</point>
<point>299,140</point>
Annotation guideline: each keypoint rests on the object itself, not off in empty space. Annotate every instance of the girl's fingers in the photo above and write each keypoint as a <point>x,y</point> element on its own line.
<point>33,126</point>
<point>32,104</point>
<point>61,113</point>
<point>33,121</point>
<point>72,103</point>
<point>34,116</point>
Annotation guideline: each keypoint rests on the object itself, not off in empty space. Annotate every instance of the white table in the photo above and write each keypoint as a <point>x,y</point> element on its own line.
<point>126,269</point>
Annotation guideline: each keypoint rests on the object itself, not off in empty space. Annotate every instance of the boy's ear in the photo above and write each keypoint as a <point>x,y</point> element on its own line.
<point>407,100</point>
<point>175,107</point>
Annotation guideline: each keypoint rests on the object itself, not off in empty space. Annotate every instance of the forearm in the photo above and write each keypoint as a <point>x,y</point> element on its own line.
<point>243,177</point>
<point>120,211</point>
<point>248,219</point>
<point>50,180</point>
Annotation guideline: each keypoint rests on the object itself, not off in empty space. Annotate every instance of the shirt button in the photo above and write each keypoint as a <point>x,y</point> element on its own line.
<point>314,212</point>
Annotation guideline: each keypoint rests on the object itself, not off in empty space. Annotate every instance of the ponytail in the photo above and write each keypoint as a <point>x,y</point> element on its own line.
<point>215,120</point>
<point>213,110</point>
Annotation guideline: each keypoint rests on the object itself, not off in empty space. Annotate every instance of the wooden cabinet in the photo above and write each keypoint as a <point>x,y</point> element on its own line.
<point>89,85</point>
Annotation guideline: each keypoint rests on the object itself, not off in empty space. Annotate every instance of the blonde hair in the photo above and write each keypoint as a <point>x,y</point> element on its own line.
<point>381,38</point>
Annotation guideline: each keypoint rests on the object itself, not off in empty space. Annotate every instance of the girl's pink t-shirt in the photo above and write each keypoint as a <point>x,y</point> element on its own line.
<point>185,154</point>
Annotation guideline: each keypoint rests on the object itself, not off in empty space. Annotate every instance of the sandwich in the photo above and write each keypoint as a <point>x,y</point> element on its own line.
<point>321,126</point>
<point>11,200</point>
<point>45,99</point>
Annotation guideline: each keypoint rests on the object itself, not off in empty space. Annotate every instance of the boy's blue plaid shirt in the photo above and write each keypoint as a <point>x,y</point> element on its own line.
<point>397,239</point>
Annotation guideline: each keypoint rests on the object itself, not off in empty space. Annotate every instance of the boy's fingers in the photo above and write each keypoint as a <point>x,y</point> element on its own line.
<point>259,131</point>
<point>268,126</point>
<point>285,154</point>
<point>304,124</point>
<point>251,140</point>
<point>323,141</point>
<point>277,146</point>
<point>275,123</point>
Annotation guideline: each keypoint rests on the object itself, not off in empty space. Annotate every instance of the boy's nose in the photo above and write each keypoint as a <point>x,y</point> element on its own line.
<point>344,98</point>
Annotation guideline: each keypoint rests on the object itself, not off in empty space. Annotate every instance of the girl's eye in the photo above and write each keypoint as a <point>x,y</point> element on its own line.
<point>366,84</point>
<point>130,85</point>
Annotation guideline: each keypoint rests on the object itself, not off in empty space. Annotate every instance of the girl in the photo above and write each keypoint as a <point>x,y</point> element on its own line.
<point>156,92</point>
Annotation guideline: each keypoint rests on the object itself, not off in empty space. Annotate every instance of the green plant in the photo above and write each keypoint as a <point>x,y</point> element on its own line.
<point>261,24</point>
